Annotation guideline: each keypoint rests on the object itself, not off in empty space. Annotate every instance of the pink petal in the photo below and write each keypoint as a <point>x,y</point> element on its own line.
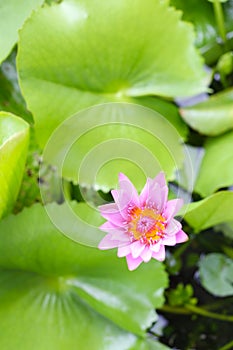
<point>121,201</point>
<point>108,243</point>
<point>169,240</point>
<point>120,236</point>
<point>146,254</point>
<point>110,227</point>
<point>160,179</point>
<point>136,249</point>
<point>155,247</point>
<point>123,251</point>
<point>181,237</point>
<point>160,255</point>
<point>128,191</point>
<point>173,227</point>
<point>157,195</point>
<point>133,263</point>
<point>144,193</point>
<point>111,212</point>
<point>172,208</point>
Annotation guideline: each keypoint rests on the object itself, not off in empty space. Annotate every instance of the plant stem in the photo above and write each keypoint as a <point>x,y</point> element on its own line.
<point>175,310</point>
<point>220,19</point>
<point>188,309</point>
<point>228,346</point>
<point>200,311</point>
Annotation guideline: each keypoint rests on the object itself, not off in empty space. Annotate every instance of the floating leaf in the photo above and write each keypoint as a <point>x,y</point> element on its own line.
<point>12,16</point>
<point>210,211</point>
<point>218,155</point>
<point>213,116</point>
<point>65,65</point>
<point>216,273</point>
<point>66,291</point>
<point>92,147</point>
<point>14,137</point>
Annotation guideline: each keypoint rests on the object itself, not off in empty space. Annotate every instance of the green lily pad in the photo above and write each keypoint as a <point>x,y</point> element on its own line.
<point>213,116</point>
<point>61,294</point>
<point>218,155</point>
<point>210,211</point>
<point>65,65</point>
<point>13,13</point>
<point>14,137</point>
<point>216,273</point>
<point>92,147</point>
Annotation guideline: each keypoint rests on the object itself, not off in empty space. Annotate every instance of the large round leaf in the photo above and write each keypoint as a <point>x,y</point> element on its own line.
<point>218,155</point>
<point>12,15</point>
<point>83,52</point>
<point>49,281</point>
<point>210,211</point>
<point>216,273</point>
<point>92,147</point>
<point>213,116</point>
<point>14,137</point>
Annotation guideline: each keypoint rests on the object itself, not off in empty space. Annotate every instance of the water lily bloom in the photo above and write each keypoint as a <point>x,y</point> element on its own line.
<point>141,225</point>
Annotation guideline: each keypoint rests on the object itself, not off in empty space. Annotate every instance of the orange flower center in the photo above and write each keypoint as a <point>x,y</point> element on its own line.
<point>146,224</point>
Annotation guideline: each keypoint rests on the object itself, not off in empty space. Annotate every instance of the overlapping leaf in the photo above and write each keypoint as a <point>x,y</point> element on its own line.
<point>218,155</point>
<point>12,16</point>
<point>92,147</point>
<point>62,292</point>
<point>201,14</point>
<point>80,53</point>
<point>216,273</point>
<point>213,116</point>
<point>210,211</point>
<point>14,137</point>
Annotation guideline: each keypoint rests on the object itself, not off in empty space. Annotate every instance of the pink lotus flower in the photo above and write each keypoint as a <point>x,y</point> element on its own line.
<point>141,225</point>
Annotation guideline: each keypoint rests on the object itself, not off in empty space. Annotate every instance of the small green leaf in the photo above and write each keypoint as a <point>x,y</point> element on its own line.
<point>216,273</point>
<point>61,282</point>
<point>210,211</point>
<point>12,16</point>
<point>14,137</point>
<point>218,155</point>
<point>65,65</point>
<point>213,116</point>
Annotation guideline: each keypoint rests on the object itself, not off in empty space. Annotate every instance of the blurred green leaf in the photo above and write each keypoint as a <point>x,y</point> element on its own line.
<point>181,295</point>
<point>216,273</point>
<point>201,14</point>
<point>226,228</point>
<point>65,65</point>
<point>213,116</point>
<point>14,137</point>
<point>57,284</point>
<point>210,211</point>
<point>218,155</point>
<point>13,13</point>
